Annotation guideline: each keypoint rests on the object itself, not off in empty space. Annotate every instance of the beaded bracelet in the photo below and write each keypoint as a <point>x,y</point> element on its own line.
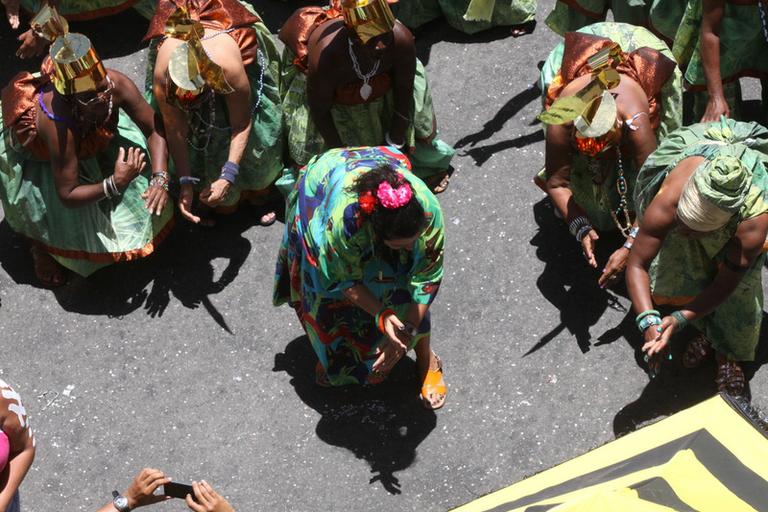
<point>648,321</point>
<point>159,179</point>
<point>645,314</point>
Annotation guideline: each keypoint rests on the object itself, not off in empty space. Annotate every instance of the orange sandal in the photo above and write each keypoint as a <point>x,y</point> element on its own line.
<point>434,385</point>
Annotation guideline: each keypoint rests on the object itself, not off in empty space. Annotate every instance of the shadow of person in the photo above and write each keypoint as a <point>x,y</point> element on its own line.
<point>567,282</point>
<point>675,387</point>
<point>198,262</point>
<point>192,264</point>
<point>382,425</point>
<point>438,30</point>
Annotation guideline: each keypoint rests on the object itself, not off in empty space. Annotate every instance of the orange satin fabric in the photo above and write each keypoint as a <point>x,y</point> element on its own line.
<point>20,107</point>
<point>649,68</point>
<point>295,35</point>
<point>214,15</point>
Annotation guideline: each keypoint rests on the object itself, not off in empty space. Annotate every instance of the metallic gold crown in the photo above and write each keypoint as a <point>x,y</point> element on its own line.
<point>76,66</point>
<point>190,69</point>
<point>368,18</point>
<point>593,108</point>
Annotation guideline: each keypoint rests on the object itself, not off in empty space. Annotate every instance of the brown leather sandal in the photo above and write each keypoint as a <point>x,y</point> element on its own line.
<point>697,351</point>
<point>730,377</point>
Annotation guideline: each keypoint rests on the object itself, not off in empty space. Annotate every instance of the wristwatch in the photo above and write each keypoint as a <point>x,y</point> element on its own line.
<point>120,502</point>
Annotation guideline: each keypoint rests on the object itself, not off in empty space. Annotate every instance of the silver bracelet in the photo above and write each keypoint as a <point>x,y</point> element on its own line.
<point>633,232</point>
<point>113,186</point>
<point>107,195</point>
<point>390,143</point>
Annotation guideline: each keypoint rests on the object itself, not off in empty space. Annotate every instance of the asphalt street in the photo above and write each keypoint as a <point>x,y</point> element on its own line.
<point>181,362</point>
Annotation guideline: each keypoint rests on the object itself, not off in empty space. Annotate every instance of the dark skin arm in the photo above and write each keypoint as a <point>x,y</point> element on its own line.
<point>128,97</point>
<point>559,155</point>
<point>403,73</point>
<point>642,142</point>
<point>64,161</point>
<point>712,18</point>
<point>659,220</point>
<point>322,80</point>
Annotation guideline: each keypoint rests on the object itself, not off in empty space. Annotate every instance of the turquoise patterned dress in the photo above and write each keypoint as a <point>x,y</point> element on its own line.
<point>328,247</point>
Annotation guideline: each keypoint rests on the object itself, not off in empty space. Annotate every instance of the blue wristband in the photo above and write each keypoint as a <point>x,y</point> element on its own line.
<point>229,171</point>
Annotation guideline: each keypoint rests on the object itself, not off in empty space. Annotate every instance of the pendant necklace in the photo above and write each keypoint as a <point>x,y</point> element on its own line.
<point>366,89</point>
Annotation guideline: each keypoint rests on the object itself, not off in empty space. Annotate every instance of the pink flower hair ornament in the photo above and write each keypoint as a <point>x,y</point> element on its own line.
<point>392,198</point>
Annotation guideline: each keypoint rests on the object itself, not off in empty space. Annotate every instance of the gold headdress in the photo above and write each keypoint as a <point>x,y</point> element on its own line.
<point>190,69</point>
<point>368,18</point>
<point>76,66</point>
<point>592,109</point>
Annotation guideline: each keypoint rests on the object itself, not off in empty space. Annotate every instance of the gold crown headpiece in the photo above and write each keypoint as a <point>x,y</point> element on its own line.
<point>368,18</point>
<point>190,69</point>
<point>593,108</point>
<point>77,68</point>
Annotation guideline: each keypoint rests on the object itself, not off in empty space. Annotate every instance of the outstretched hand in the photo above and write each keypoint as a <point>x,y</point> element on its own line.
<point>615,266</point>
<point>588,246</point>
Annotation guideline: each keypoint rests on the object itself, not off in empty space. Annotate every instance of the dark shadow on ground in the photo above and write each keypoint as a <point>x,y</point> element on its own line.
<point>193,264</point>
<point>568,282</point>
<point>438,30</point>
<point>384,424</point>
<point>676,387</point>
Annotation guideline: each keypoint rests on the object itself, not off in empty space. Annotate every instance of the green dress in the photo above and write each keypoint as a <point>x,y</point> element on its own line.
<point>359,122</point>
<point>414,13</point>
<point>86,238</point>
<point>684,267</point>
<point>743,50</point>
<point>82,10</point>
<point>329,246</point>
<point>571,15</point>
<point>210,135</point>
<point>599,199</point>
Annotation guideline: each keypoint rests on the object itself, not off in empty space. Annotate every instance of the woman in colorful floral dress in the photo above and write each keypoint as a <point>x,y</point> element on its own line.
<point>361,262</point>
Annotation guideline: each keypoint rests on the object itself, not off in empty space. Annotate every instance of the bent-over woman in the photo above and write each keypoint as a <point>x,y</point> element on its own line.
<point>361,262</point>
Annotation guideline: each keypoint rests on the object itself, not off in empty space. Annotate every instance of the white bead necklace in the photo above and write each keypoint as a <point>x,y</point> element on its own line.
<point>366,89</point>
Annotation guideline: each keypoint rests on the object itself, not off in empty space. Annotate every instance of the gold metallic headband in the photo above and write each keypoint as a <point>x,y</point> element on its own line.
<point>368,18</point>
<point>189,68</point>
<point>593,108</point>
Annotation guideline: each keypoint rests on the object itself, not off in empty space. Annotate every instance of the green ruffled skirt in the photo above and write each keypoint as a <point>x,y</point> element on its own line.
<point>414,13</point>
<point>743,50</point>
<point>88,238</point>
<point>575,14</point>
<point>360,125</point>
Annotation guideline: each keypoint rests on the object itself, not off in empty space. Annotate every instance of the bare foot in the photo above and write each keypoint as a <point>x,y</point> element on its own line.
<point>47,270</point>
